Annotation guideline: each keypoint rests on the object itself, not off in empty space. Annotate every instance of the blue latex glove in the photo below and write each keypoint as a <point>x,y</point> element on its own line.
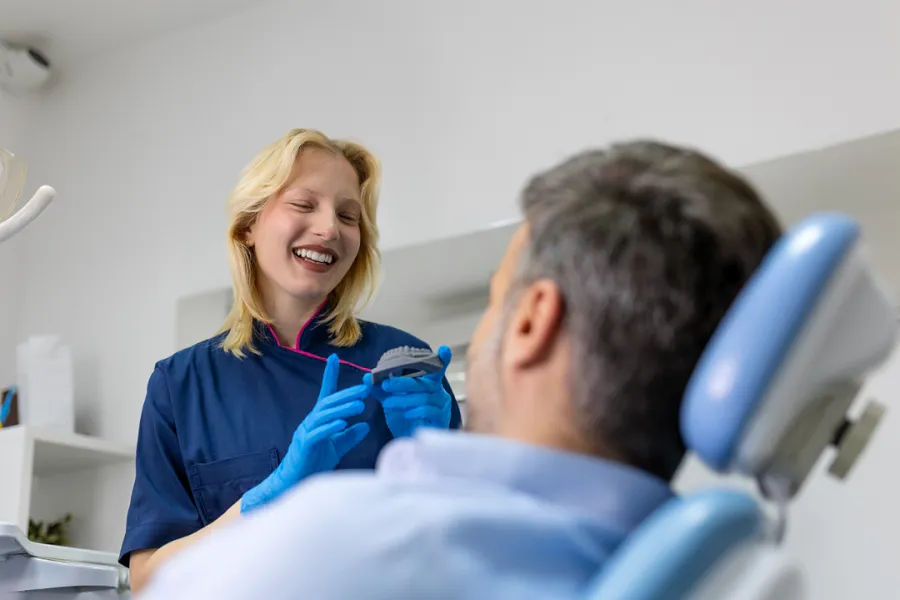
<point>413,402</point>
<point>320,441</point>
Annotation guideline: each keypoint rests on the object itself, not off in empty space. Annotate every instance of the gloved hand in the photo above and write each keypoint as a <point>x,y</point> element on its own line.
<point>320,441</point>
<point>413,402</point>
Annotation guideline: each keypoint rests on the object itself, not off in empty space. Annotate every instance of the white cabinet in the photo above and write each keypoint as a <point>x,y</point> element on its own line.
<point>43,474</point>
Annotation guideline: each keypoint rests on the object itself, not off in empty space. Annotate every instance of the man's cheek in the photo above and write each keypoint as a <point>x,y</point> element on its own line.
<point>478,335</point>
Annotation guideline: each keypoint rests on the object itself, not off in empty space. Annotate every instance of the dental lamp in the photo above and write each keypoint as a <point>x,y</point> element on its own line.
<point>12,180</point>
<point>28,213</point>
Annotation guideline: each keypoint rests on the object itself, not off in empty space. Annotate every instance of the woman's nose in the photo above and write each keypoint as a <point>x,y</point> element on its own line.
<point>326,225</point>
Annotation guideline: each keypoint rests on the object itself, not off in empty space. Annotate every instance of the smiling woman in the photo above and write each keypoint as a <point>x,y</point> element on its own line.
<point>305,212</point>
<point>284,391</point>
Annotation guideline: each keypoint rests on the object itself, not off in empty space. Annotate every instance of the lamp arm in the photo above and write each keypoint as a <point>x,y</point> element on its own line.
<point>28,213</point>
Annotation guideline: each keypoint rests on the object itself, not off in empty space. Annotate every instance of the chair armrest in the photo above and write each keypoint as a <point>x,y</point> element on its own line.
<point>677,546</point>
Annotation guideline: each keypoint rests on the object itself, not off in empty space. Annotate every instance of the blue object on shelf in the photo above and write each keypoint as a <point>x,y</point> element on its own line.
<point>7,405</point>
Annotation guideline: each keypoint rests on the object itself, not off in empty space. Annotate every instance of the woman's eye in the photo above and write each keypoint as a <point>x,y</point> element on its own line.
<point>305,206</point>
<point>349,217</point>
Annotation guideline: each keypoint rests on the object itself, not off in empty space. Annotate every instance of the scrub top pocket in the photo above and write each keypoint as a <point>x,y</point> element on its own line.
<point>217,485</point>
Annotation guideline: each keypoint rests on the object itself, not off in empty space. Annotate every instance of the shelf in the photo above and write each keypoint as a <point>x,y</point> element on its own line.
<point>58,452</point>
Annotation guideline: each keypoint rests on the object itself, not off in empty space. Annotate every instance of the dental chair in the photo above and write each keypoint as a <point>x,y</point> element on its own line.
<point>770,396</point>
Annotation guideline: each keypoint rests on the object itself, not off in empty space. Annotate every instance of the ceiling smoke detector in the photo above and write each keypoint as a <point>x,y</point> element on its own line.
<point>22,69</point>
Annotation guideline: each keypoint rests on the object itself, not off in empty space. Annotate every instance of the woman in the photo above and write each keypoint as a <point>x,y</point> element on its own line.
<point>283,392</point>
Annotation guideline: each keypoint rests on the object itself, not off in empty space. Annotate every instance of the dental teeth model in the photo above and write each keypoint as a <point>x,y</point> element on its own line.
<point>406,361</point>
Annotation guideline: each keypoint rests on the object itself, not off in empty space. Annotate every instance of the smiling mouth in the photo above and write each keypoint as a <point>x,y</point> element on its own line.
<point>312,256</point>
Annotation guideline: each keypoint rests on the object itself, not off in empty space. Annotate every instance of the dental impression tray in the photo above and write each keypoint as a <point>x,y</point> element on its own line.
<point>406,361</point>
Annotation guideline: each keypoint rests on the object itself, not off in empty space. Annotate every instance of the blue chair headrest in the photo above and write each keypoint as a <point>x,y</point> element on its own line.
<point>811,321</point>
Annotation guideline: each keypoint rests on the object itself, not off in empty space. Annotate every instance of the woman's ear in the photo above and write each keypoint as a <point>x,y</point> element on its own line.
<point>248,237</point>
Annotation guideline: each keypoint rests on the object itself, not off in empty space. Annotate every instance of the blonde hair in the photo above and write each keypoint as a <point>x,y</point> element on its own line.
<point>260,181</point>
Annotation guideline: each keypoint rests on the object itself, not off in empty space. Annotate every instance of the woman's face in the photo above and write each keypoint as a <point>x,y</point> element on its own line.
<point>307,236</point>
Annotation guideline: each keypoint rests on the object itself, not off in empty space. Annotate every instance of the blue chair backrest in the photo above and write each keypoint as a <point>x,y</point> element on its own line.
<point>751,344</point>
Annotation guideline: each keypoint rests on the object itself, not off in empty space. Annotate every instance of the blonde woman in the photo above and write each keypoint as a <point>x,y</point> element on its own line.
<point>284,391</point>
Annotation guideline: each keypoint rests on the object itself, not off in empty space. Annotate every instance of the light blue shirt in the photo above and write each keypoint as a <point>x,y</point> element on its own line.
<point>446,515</point>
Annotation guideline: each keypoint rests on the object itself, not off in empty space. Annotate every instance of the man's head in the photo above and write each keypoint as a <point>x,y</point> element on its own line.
<point>608,294</point>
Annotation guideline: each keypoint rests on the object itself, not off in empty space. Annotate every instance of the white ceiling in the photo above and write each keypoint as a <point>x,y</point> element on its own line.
<point>71,30</point>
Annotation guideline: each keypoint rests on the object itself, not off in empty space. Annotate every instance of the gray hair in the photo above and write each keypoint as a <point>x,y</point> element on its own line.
<point>649,245</point>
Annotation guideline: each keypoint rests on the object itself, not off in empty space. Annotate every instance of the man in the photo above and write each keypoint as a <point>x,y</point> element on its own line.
<point>608,293</point>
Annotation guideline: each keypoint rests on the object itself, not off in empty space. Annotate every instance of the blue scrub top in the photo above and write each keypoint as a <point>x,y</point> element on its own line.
<point>213,425</point>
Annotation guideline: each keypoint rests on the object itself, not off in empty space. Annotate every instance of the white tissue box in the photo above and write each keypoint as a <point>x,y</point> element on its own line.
<point>45,383</point>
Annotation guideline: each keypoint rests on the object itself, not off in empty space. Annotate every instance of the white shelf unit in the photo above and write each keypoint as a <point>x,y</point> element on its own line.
<point>28,454</point>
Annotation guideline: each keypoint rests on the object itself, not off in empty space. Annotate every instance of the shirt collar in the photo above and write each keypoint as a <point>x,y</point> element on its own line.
<point>618,495</point>
<point>315,330</point>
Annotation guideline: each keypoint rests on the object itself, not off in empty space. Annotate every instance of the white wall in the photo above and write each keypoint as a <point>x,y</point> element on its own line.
<point>13,116</point>
<point>461,100</point>
<point>858,177</point>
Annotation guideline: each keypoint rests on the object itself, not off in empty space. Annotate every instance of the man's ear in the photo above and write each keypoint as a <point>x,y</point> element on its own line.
<point>534,324</point>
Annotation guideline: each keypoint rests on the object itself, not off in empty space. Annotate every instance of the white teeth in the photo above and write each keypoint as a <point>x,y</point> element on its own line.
<point>325,259</point>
